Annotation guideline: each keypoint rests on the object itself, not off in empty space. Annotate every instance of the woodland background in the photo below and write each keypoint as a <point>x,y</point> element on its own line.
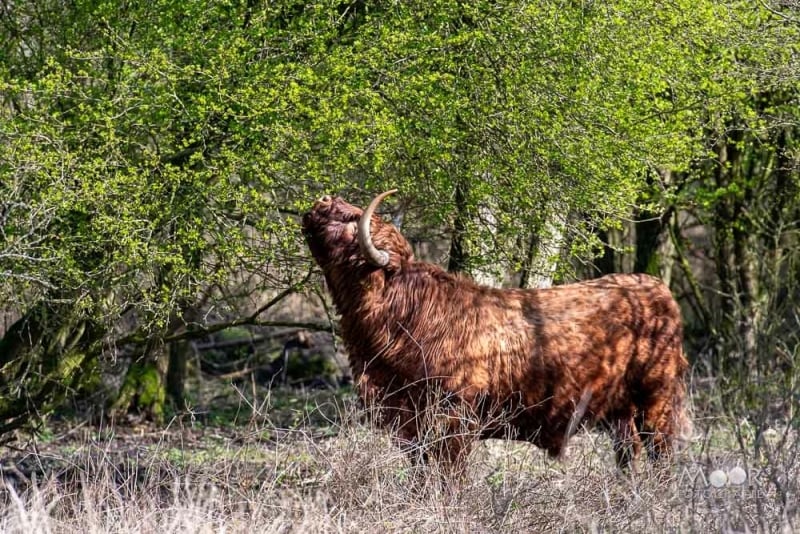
<point>155,158</point>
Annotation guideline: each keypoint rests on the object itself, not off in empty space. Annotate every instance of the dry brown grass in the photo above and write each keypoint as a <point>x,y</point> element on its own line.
<point>330,471</point>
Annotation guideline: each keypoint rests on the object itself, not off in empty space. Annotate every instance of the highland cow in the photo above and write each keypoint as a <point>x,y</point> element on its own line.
<point>526,364</point>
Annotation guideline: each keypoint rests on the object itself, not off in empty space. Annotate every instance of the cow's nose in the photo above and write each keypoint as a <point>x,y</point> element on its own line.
<point>325,199</point>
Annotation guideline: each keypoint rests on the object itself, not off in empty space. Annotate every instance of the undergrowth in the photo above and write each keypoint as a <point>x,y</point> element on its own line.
<point>322,467</point>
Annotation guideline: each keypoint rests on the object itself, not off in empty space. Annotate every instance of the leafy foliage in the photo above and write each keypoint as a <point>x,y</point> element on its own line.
<point>154,156</point>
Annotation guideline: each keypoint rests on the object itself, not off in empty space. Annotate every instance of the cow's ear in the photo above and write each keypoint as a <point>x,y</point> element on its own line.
<point>395,264</point>
<point>400,254</point>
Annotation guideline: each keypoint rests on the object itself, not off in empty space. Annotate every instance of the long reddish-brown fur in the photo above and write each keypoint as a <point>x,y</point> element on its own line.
<point>525,364</point>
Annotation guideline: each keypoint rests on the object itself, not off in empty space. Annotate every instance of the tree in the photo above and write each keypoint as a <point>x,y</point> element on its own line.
<point>132,190</point>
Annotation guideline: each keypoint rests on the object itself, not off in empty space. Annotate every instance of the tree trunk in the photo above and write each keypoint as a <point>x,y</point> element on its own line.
<point>465,255</point>
<point>544,251</point>
<point>483,272</point>
<point>655,250</point>
<point>44,356</point>
<point>143,392</point>
<point>21,336</point>
<point>458,247</point>
<point>176,373</point>
<point>724,214</point>
<point>735,249</point>
<point>611,260</point>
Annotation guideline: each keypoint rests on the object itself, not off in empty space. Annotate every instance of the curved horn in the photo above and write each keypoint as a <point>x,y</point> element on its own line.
<point>377,257</point>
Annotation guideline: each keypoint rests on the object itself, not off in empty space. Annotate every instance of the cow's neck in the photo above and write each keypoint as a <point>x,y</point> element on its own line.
<point>359,300</point>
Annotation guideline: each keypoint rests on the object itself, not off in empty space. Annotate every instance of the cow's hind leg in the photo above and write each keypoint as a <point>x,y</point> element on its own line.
<point>626,440</point>
<point>659,424</point>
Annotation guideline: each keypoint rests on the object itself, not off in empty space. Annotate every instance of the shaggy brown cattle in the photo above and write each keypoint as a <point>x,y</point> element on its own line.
<point>521,364</point>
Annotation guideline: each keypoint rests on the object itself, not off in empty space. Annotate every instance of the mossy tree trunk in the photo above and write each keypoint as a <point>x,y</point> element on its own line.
<point>143,391</point>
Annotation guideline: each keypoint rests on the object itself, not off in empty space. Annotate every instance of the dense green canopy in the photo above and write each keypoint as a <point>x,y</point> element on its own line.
<point>154,155</point>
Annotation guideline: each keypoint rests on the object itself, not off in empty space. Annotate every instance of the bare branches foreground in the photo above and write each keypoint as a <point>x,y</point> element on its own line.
<point>331,471</point>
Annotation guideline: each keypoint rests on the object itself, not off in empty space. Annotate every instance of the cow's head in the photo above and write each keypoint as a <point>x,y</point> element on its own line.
<point>342,235</point>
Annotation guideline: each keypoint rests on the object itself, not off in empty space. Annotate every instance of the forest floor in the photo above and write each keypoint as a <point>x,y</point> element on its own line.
<point>251,459</point>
